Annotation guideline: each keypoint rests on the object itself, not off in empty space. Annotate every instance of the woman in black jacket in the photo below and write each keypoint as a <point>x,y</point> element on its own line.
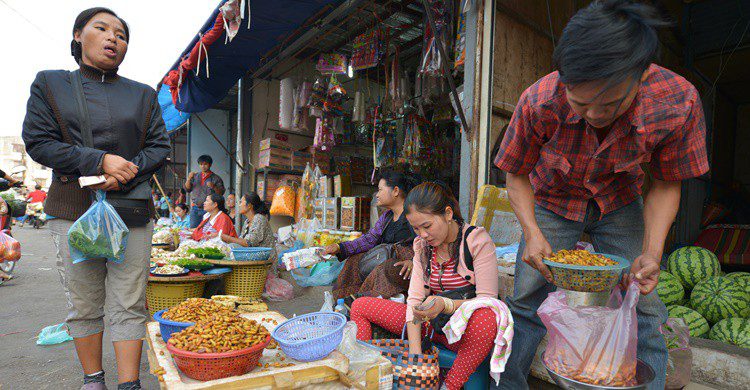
<point>126,142</point>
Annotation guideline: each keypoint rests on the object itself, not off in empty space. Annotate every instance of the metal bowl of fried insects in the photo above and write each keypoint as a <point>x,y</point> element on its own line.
<point>644,375</point>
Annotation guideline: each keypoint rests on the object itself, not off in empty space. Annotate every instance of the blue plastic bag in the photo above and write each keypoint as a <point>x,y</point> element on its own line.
<point>321,274</point>
<point>53,334</point>
<point>98,233</point>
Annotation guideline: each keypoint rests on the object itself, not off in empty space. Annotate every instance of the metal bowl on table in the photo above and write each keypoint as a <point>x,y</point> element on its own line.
<point>644,375</point>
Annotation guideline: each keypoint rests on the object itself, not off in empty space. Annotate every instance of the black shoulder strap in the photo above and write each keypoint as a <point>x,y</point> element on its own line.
<point>468,257</point>
<point>83,109</point>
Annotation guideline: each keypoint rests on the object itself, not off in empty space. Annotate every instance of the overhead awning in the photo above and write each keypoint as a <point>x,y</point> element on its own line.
<point>196,83</point>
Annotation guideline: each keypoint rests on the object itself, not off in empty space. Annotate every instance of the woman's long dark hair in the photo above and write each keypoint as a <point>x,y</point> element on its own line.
<point>84,17</point>
<point>434,198</point>
<point>395,179</point>
<point>259,207</point>
<point>219,200</point>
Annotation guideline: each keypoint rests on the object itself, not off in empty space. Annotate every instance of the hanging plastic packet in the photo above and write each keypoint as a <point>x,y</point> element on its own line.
<point>331,63</point>
<point>98,233</point>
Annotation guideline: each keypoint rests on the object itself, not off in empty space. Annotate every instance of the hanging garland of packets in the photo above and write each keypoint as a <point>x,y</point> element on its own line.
<point>368,49</point>
<point>431,59</point>
<point>329,101</point>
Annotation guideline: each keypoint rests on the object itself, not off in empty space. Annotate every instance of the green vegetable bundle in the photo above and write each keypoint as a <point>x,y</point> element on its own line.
<point>100,247</point>
<point>194,264</point>
<point>207,253</point>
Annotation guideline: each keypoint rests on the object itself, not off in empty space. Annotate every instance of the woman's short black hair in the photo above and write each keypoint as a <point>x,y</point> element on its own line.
<point>608,40</point>
<point>84,17</point>
<point>206,158</point>
<point>259,207</point>
<point>182,206</point>
<point>219,200</point>
<point>395,179</point>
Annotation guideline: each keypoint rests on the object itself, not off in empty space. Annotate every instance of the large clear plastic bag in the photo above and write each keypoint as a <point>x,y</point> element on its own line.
<point>10,248</point>
<point>680,360</point>
<point>593,344</point>
<point>98,233</point>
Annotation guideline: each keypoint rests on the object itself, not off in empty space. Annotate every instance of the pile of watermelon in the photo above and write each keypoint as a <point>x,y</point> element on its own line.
<point>713,305</point>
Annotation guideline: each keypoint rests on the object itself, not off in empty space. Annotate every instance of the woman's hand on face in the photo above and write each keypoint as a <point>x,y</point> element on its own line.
<point>406,267</point>
<point>433,305</point>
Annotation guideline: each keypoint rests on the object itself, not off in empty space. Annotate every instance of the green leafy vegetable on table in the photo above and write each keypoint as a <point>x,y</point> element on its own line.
<point>194,264</point>
<point>207,253</point>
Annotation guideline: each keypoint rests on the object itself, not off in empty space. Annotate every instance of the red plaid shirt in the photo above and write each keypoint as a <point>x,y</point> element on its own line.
<point>568,167</point>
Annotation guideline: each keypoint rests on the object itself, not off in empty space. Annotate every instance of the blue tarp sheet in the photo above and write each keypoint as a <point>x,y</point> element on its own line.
<point>271,21</point>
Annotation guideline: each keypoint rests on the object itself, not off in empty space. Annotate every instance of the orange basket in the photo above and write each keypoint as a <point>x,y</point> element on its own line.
<point>210,366</point>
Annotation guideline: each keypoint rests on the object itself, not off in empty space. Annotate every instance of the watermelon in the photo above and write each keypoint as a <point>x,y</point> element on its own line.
<point>696,323</point>
<point>669,289</point>
<point>691,264</point>
<point>732,331</point>
<point>743,278</point>
<point>720,297</point>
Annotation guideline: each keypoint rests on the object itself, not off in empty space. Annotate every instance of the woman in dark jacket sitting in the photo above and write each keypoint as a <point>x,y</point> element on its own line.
<point>390,277</point>
<point>128,143</point>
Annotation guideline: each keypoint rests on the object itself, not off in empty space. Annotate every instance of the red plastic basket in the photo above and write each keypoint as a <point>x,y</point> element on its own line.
<point>210,366</point>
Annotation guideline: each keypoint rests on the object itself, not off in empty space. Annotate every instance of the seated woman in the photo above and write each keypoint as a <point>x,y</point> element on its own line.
<point>256,230</point>
<point>392,227</point>
<point>180,217</point>
<point>215,220</point>
<point>441,272</point>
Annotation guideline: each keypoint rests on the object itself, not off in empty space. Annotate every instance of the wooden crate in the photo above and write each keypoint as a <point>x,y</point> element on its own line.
<point>301,375</point>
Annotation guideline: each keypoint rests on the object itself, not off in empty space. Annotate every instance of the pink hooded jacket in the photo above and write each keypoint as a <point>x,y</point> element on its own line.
<point>484,276</point>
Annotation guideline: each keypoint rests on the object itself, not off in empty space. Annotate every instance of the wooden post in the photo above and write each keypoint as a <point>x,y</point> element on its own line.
<point>169,201</point>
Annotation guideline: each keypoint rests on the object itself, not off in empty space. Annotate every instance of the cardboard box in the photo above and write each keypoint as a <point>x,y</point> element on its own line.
<point>342,185</point>
<point>273,158</point>
<point>299,161</point>
<point>319,210</point>
<point>332,211</point>
<point>275,143</point>
<point>355,214</point>
<point>325,187</point>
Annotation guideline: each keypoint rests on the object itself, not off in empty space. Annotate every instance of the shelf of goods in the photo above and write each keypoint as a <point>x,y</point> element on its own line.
<point>276,371</point>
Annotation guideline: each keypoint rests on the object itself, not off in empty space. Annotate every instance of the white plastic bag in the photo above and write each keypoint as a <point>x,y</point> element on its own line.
<point>303,258</point>
<point>327,302</point>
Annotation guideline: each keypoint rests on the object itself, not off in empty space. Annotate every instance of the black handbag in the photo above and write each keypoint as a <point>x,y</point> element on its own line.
<point>132,206</point>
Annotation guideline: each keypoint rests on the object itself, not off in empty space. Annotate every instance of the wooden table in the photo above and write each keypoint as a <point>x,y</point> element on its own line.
<point>163,292</point>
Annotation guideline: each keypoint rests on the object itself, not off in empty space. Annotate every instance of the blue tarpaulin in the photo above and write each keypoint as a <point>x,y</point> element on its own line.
<point>270,22</point>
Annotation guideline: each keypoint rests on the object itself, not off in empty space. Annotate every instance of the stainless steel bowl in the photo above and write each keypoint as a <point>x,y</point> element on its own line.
<point>644,375</point>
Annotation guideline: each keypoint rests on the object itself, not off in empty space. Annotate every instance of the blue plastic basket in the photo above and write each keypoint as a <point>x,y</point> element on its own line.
<point>311,336</point>
<point>588,278</point>
<point>167,327</point>
<point>251,254</point>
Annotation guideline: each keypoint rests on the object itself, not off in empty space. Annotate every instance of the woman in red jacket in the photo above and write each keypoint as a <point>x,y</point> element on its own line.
<point>215,220</point>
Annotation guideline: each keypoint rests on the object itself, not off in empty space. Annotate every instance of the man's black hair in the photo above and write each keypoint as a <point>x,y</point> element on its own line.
<point>608,40</point>
<point>82,19</point>
<point>206,158</point>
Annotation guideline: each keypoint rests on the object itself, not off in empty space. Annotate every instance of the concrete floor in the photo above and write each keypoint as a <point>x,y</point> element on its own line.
<point>34,299</point>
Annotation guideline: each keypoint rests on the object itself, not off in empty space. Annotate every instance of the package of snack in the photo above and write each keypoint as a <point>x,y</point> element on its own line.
<point>593,344</point>
<point>284,201</point>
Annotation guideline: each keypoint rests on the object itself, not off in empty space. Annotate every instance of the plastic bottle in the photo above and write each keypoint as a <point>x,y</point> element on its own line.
<point>340,307</point>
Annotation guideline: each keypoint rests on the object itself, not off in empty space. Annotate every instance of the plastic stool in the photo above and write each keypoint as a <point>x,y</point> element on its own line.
<point>479,380</point>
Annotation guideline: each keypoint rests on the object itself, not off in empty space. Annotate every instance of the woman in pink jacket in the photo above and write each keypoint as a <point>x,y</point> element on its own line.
<point>453,262</point>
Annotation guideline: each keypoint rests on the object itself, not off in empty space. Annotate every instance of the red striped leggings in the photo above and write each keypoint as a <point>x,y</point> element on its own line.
<point>475,345</point>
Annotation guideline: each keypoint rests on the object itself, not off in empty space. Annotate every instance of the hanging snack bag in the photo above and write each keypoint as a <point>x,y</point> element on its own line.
<point>98,233</point>
<point>10,248</point>
<point>592,344</point>
<point>284,201</point>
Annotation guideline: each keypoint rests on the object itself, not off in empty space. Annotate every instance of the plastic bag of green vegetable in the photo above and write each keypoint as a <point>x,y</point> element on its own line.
<point>98,233</point>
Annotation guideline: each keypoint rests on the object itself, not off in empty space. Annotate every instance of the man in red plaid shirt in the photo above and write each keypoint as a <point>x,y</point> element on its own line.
<point>573,154</point>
